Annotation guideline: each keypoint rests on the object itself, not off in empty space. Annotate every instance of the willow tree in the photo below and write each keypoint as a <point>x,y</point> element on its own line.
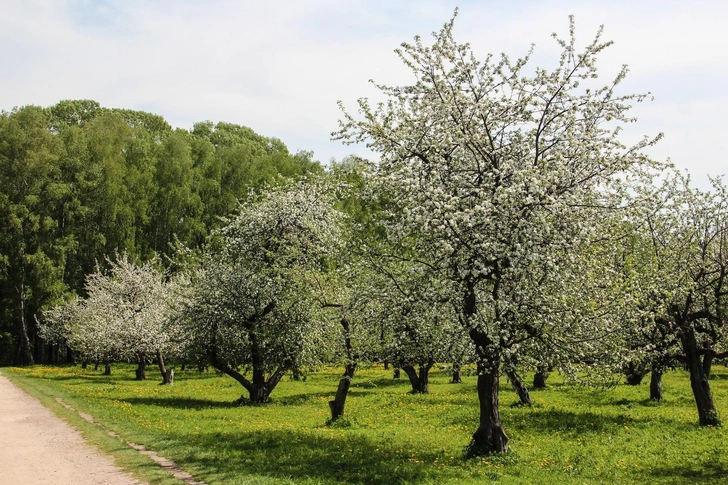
<point>497,173</point>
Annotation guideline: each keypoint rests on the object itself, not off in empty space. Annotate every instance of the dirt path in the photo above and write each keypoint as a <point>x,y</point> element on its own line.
<point>36,447</point>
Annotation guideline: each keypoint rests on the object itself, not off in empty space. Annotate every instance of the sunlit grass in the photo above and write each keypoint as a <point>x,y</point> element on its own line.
<point>571,435</point>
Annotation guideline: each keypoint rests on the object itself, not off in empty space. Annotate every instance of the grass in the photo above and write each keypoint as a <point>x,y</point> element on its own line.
<point>572,435</point>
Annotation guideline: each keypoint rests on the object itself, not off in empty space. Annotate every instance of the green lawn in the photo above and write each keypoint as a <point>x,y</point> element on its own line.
<point>571,435</point>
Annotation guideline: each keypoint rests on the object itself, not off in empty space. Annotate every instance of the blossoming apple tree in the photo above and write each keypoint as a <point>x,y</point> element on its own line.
<point>252,306</point>
<point>497,174</point>
<point>125,316</point>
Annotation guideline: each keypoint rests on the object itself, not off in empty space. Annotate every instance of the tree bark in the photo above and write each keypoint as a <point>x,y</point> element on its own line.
<point>141,370</point>
<point>420,383</point>
<point>656,385</point>
<point>539,378</point>
<point>707,412</point>
<point>708,361</point>
<point>519,386</point>
<point>24,355</point>
<point>490,437</point>
<point>337,404</point>
<point>167,375</point>
<point>107,369</point>
<point>457,376</point>
<point>396,373</point>
<point>634,374</point>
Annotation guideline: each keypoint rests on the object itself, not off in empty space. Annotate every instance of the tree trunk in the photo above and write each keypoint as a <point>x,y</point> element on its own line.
<point>24,355</point>
<point>656,385</point>
<point>708,361</point>
<point>396,373</point>
<point>490,437</point>
<point>519,386</point>
<point>71,356</point>
<point>539,378</point>
<point>339,401</point>
<point>107,369</point>
<point>84,364</point>
<point>167,375</point>
<point>634,374</point>
<point>296,373</point>
<point>420,383</point>
<point>259,389</point>
<point>707,412</point>
<point>386,365</point>
<point>457,376</point>
<point>141,370</point>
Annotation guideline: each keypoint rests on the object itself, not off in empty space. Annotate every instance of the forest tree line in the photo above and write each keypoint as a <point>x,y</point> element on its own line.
<point>80,182</point>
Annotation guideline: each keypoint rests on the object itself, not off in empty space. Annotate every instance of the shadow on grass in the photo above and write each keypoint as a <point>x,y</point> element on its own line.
<point>553,420</point>
<point>708,472</point>
<point>305,398</point>
<point>300,456</point>
<point>179,403</point>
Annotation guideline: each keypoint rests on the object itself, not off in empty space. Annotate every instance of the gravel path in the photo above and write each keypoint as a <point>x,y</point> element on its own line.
<point>36,447</point>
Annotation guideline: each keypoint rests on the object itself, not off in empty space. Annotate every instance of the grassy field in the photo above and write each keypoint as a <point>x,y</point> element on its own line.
<point>572,435</point>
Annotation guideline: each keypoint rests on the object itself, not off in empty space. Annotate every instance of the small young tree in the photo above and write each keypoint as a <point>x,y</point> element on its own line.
<point>252,304</point>
<point>497,175</point>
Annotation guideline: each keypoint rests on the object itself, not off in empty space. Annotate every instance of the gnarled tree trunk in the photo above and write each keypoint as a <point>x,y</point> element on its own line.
<point>539,378</point>
<point>656,384</point>
<point>519,386</point>
<point>141,370</point>
<point>24,356</point>
<point>337,404</point>
<point>167,375</point>
<point>489,437</point>
<point>107,369</point>
<point>707,412</point>
<point>420,383</point>
<point>457,376</point>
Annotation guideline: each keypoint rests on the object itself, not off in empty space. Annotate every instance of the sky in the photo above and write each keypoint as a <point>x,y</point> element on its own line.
<point>280,66</point>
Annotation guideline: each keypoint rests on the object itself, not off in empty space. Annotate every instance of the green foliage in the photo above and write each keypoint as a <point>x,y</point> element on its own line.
<point>80,182</point>
<point>572,434</point>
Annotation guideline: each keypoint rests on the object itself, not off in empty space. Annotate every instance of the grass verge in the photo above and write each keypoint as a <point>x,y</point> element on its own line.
<point>572,435</point>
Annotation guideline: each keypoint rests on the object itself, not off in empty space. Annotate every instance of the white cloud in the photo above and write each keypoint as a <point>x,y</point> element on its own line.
<point>279,67</point>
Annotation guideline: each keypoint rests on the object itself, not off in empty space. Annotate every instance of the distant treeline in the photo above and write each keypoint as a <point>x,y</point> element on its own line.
<point>79,182</point>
